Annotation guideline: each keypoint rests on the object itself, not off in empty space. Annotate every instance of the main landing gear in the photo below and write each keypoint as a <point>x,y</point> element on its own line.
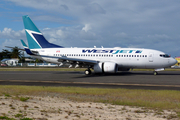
<point>87,72</point>
<point>155,73</point>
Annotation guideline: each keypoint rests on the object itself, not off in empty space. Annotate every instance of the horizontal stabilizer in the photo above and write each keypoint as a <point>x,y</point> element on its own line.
<point>14,47</point>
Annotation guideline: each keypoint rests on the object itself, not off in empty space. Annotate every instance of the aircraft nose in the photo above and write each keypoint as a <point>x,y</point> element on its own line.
<point>173,61</point>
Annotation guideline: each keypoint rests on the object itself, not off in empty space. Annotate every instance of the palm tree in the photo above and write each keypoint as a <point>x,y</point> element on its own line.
<point>16,53</point>
<point>5,54</point>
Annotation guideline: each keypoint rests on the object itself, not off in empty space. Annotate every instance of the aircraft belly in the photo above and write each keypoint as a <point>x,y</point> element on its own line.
<point>136,63</point>
<point>52,60</point>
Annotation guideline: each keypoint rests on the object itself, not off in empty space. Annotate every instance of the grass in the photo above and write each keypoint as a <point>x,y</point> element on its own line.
<point>154,99</point>
<point>167,69</point>
<point>24,99</point>
<point>39,69</point>
<point>63,69</point>
<point>18,115</point>
<point>6,118</point>
<point>26,119</point>
<point>6,95</point>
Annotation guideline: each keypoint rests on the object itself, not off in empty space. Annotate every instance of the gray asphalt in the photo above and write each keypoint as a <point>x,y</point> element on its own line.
<point>165,80</point>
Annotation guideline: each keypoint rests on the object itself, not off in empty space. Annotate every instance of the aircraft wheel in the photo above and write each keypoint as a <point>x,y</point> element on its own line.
<point>87,72</point>
<point>155,73</point>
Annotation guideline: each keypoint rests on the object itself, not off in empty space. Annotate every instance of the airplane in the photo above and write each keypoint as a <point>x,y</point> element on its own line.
<point>101,60</point>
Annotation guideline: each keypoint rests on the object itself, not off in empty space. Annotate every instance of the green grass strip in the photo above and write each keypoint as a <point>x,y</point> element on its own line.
<point>40,69</point>
<point>63,69</point>
<point>155,99</point>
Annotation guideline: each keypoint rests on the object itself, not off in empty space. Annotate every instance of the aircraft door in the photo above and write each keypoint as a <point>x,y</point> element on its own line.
<point>151,56</point>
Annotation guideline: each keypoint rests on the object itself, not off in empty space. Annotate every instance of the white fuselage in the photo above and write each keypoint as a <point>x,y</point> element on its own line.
<point>123,57</point>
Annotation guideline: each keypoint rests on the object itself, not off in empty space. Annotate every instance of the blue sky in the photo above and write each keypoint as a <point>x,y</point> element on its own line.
<point>87,23</point>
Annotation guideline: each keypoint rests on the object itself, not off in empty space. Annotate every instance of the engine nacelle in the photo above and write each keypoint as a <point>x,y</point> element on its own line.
<point>106,67</point>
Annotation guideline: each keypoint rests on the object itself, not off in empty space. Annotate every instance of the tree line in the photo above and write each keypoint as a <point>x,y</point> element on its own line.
<point>14,53</point>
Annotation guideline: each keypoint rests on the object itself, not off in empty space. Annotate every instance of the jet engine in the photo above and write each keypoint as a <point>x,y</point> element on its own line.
<point>105,67</point>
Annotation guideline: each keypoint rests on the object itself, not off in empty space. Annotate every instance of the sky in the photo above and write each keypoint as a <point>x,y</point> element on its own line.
<point>152,24</point>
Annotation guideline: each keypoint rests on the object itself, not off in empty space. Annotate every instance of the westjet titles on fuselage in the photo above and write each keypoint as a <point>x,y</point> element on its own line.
<point>111,51</point>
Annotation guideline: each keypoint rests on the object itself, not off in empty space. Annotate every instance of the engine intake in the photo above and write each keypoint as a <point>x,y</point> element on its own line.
<point>105,67</point>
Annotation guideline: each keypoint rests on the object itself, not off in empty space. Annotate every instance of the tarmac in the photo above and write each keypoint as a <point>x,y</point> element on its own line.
<point>165,80</point>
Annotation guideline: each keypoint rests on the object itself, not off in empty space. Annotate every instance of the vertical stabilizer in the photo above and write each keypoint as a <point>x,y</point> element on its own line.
<point>35,38</point>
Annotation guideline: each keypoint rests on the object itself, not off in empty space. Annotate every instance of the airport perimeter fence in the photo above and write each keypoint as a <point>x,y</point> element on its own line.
<point>50,65</point>
<point>37,65</point>
<point>30,65</point>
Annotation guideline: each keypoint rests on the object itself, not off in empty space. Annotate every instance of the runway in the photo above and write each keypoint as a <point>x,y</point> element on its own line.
<point>166,80</point>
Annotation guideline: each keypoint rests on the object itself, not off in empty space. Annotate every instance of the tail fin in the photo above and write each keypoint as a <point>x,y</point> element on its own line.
<point>24,44</point>
<point>34,37</point>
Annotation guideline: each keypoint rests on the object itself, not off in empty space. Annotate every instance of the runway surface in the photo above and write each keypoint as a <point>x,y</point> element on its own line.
<point>166,80</point>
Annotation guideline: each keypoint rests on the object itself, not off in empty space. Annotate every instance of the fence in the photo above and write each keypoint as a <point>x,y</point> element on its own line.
<point>38,64</point>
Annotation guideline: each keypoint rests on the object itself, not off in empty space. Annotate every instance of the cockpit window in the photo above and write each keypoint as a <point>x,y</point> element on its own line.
<point>164,55</point>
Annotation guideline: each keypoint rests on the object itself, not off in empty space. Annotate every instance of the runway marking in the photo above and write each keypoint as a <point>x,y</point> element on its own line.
<point>88,83</point>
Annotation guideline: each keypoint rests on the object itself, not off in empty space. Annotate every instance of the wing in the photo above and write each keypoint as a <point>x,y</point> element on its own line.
<point>74,62</point>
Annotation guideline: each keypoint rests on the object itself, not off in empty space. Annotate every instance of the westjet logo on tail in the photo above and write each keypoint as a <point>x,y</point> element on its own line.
<point>111,51</point>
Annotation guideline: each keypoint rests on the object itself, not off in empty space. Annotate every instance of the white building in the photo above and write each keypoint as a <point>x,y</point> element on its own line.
<point>10,62</point>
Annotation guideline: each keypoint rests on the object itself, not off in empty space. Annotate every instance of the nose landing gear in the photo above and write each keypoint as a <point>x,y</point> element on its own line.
<point>156,71</point>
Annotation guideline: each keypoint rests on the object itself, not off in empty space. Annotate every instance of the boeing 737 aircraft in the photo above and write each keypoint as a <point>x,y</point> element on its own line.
<point>101,60</point>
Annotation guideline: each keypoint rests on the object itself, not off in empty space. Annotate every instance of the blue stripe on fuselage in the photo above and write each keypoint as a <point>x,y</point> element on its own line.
<point>28,51</point>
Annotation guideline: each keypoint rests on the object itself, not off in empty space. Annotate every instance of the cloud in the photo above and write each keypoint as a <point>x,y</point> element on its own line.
<point>94,8</point>
<point>11,34</point>
<point>86,27</point>
<point>9,37</point>
<point>146,24</point>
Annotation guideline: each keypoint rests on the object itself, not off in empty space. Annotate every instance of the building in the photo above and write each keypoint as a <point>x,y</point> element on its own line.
<point>10,62</point>
<point>178,63</point>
